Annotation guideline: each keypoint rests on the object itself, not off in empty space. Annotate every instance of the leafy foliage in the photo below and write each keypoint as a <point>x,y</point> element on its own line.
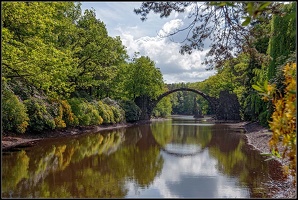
<point>30,45</point>
<point>52,49</point>
<point>182,101</point>
<point>142,78</point>
<point>86,113</point>
<point>38,112</point>
<point>15,112</point>
<point>132,111</point>
<point>62,113</point>
<point>118,112</point>
<point>283,31</point>
<point>163,108</point>
<point>283,123</point>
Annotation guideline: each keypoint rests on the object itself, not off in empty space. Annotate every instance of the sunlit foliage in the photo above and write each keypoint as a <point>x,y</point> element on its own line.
<point>15,111</point>
<point>40,117</point>
<point>283,123</point>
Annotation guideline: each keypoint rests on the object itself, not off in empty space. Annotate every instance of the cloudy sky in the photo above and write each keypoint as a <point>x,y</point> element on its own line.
<point>143,37</point>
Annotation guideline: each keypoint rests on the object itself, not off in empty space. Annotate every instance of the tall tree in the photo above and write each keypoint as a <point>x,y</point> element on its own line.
<point>95,52</point>
<point>30,44</point>
<point>283,38</point>
<point>142,78</point>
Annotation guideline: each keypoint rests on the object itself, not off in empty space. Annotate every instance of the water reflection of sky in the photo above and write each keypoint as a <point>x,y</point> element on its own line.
<point>191,124</point>
<point>193,177</point>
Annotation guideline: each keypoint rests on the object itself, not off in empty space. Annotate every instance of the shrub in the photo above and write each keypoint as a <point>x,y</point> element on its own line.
<point>105,112</point>
<point>40,118</point>
<point>14,112</point>
<point>21,89</point>
<point>75,104</point>
<point>132,111</point>
<point>283,123</point>
<point>118,112</point>
<point>86,113</point>
<point>95,117</point>
<point>63,114</point>
<point>118,117</point>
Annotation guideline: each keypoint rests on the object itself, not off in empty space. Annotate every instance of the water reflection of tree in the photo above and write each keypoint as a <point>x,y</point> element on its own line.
<point>12,174</point>
<point>179,134</point>
<point>140,162</point>
<point>50,159</point>
<point>236,160</point>
<point>225,145</point>
<point>92,166</point>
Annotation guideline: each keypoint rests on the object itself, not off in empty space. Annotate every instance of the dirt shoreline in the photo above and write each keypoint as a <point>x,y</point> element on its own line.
<point>256,136</point>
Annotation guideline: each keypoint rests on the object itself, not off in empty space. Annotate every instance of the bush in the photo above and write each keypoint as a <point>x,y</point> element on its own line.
<point>118,117</point>
<point>283,123</point>
<point>76,108</point>
<point>86,113</point>
<point>105,112</point>
<point>40,118</point>
<point>132,111</point>
<point>95,118</point>
<point>283,119</point>
<point>118,112</point>
<point>21,89</point>
<point>14,112</point>
<point>63,114</point>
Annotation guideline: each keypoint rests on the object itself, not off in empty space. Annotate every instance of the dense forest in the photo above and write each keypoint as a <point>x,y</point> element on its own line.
<point>60,68</point>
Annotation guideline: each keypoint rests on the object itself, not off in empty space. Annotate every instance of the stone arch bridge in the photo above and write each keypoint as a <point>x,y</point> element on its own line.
<point>226,107</point>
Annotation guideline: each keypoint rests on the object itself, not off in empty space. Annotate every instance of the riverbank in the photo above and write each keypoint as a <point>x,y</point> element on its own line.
<point>256,136</point>
<point>12,140</point>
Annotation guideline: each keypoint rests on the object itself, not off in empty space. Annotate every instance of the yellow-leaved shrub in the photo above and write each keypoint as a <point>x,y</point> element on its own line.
<point>283,123</point>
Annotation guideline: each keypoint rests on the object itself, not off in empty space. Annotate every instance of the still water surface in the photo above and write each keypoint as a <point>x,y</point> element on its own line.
<point>180,157</point>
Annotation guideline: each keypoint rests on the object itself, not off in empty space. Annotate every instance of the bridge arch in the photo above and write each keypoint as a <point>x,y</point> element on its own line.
<point>226,107</point>
<point>211,100</point>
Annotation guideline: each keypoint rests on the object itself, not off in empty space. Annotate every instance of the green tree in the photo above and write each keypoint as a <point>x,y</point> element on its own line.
<point>95,54</point>
<point>283,40</point>
<point>29,45</point>
<point>182,101</point>
<point>163,108</point>
<point>142,78</point>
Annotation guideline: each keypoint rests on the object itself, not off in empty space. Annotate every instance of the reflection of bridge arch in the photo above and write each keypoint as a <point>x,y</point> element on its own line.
<point>181,154</point>
<point>211,100</point>
<point>147,140</point>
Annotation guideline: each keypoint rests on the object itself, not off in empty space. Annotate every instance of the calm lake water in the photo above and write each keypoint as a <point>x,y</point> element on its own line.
<point>180,157</point>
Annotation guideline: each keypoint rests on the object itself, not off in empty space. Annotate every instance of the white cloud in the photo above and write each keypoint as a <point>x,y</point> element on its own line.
<point>170,27</point>
<point>174,66</point>
<point>143,37</point>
